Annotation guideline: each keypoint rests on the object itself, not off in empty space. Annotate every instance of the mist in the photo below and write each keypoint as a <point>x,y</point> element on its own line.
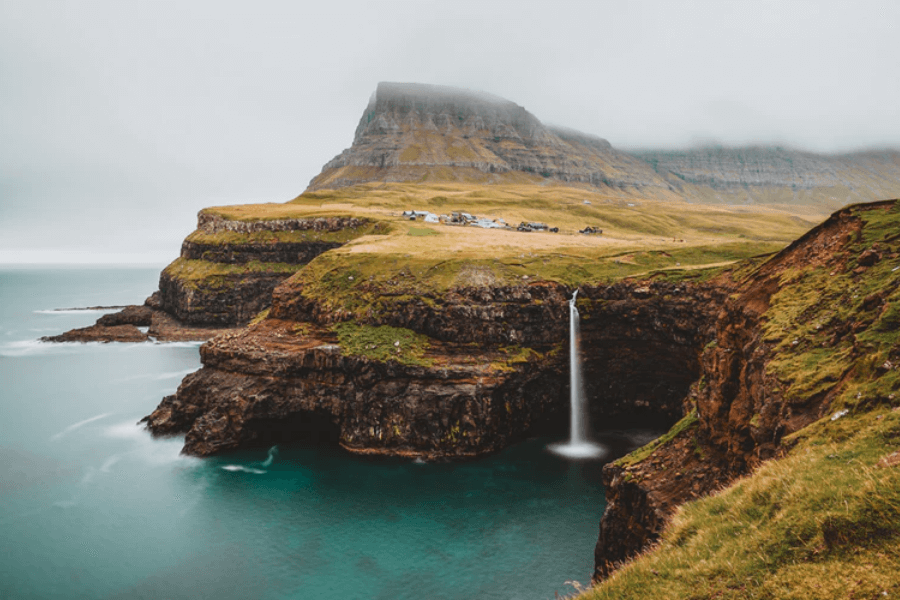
<point>121,120</point>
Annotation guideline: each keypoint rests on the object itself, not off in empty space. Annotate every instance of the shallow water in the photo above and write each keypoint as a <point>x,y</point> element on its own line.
<point>93,507</point>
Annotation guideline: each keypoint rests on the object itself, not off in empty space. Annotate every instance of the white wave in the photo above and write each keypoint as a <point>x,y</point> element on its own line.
<point>156,344</point>
<point>77,425</point>
<point>146,449</point>
<point>128,430</point>
<point>30,348</point>
<point>243,469</point>
<point>175,374</point>
<point>157,376</point>
<point>66,503</point>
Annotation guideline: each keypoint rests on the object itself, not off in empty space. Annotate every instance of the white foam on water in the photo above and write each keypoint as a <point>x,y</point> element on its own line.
<point>32,347</point>
<point>243,469</point>
<point>156,376</point>
<point>146,449</point>
<point>580,450</point>
<point>156,344</point>
<point>78,425</point>
<point>65,503</point>
<point>109,462</point>
<point>74,311</point>
<point>273,452</point>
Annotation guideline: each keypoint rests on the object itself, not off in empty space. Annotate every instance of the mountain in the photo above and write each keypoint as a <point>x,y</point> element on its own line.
<point>425,133</point>
<point>416,132</point>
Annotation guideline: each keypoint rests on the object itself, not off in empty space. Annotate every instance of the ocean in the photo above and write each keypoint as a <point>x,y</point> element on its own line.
<point>94,507</point>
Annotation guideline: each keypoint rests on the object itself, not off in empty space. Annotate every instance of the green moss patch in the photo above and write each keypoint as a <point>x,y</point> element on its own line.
<point>687,423</point>
<point>383,343</point>
<point>341,236</point>
<point>200,273</point>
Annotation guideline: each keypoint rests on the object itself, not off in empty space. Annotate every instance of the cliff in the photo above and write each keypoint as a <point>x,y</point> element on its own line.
<point>453,375</point>
<point>778,175</point>
<point>807,333</point>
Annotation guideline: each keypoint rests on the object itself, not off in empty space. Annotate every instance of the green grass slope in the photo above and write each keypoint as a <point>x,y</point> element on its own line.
<point>822,521</point>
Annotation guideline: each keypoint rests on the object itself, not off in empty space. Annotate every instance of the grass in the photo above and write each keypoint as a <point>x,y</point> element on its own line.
<point>687,423</point>
<point>201,273</point>
<point>827,321</point>
<point>307,235</point>
<point>391,258</point>
<point>382,343</point>
<point>824,522</point>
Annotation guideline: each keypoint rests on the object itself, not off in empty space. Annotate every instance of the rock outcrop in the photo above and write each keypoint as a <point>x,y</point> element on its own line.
<point>228,268</point>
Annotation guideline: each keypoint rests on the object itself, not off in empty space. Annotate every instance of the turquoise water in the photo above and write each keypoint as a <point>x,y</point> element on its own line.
<point>93,507</point>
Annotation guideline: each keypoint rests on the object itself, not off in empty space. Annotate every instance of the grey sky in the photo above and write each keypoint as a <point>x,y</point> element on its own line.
<point>120,120</point>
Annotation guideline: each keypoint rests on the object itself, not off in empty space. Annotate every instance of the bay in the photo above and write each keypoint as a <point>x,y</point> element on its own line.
<point>93,507</point>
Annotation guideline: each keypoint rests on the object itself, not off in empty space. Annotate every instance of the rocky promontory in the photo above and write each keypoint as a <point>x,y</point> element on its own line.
<point>224,277</point>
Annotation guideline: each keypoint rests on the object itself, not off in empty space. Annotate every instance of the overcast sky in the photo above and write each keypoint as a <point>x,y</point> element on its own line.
<point>120,120</point>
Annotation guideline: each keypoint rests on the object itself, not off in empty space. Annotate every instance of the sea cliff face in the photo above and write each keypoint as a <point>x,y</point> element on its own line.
<point>488,369</point>
<point>228,268</point>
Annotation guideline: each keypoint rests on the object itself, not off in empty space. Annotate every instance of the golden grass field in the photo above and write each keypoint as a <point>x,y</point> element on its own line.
<point>628,224</point>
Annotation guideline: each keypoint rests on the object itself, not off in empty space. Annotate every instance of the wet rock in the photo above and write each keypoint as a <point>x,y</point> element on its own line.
<point>139,316</point>
<point>100,333</point>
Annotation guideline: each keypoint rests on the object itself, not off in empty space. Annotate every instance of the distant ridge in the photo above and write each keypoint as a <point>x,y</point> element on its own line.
<point>756,174</point>
<point>412,132</point>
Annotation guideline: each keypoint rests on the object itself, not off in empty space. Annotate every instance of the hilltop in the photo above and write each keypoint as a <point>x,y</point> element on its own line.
<point>425,133</point>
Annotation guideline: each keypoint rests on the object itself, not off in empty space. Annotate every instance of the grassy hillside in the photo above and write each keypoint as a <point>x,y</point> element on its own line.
<point>400,258</point>
<point>643,234</point>
<point>823,521</point>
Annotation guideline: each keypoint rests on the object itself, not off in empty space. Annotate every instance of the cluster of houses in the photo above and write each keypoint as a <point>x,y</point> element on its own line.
<point>455,218</point>
<point>464,218</point>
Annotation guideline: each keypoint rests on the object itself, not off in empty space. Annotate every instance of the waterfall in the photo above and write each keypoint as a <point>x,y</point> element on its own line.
<point>577,420</point>
<point>579,445</point>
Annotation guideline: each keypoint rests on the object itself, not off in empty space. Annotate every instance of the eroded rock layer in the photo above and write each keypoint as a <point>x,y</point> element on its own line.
<point>494,370</point>
<point>774,174</point>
